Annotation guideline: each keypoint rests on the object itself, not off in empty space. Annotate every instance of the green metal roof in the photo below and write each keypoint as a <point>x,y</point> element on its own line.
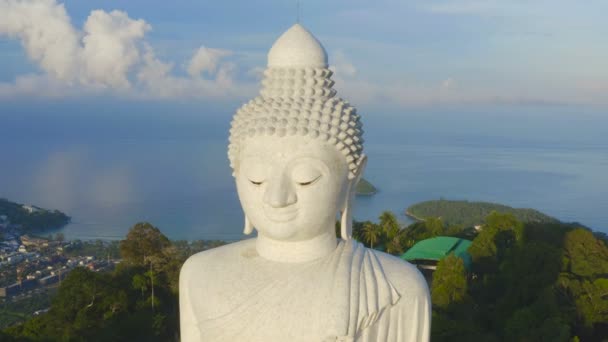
<point>438,248</point>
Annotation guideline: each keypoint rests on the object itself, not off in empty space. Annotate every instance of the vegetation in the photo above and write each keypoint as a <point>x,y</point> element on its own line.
<point>364,187</point>
<point>449,282</point>
<point>388,235</point>
<point>534,281</point>
<point>99,249</point>
<point>136,302</point>
<point>530,281</point>
<point>35,221</point>
<point>19,310</point>
<point>469,214</point>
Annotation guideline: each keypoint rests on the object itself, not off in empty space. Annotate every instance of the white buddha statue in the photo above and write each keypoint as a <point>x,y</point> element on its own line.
<point>296,153</point>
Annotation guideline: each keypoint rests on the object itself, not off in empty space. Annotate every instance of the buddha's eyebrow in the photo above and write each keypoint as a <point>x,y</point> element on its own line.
<point>311,161</point>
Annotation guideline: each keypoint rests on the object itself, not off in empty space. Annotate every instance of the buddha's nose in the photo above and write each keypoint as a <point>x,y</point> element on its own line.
<point>280,193</point>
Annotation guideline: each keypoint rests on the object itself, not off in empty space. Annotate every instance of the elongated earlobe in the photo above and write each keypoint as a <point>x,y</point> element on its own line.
<point>346,219</point>
<point>248,227</point>
<point>346,222</point>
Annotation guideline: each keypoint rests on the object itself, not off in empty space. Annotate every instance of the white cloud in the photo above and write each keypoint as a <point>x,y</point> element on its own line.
<point>155,79</point>
<point>45,31</point>
<point>34,84</point>
<point>410,93</point>
<point>342,66</point>
<point>110,54</point>
<point>110,47</point>
<point>206,60</point>
<point>256,72</point>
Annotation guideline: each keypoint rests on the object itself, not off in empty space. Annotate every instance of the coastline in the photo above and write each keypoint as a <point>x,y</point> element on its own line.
<point>413,217</point>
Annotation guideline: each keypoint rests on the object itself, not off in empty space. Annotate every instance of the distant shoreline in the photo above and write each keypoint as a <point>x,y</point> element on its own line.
<point>413,217</point>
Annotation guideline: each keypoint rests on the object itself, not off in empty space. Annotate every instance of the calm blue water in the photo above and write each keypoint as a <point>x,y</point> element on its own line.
<point>116,167</point>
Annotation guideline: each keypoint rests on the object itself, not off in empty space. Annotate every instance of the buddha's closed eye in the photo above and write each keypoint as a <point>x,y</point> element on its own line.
<point>305,175</point>
<point>255,172</point>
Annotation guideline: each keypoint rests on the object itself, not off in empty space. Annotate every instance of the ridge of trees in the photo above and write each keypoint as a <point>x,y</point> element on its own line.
<point>35,221</point>
<point>534,281</point>
<point>469,214</point>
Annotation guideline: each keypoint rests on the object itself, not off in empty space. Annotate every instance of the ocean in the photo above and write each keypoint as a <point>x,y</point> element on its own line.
<point>109,167</point>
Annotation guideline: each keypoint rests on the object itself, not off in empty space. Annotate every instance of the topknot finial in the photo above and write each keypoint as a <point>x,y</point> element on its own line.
<point>297,47</point>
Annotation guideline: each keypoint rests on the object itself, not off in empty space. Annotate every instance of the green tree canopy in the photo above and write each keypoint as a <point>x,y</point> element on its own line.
<point>585,255</point>
<point>144,241</point>
<point>389,225</point>
<point>500,233</point>
<point>370,233</point>
<point>449,282</point>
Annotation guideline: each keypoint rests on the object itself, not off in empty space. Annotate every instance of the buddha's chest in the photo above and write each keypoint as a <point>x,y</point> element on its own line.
<point>267,304</point>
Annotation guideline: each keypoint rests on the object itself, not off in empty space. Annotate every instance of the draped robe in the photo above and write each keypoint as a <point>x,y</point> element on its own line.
<point>353,294</point>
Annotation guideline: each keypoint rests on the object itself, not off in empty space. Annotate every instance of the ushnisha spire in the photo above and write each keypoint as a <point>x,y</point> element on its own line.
<point>297,47</point>
<point>297,98</point>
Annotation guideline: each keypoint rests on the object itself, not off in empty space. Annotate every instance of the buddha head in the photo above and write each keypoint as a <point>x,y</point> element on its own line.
<point>296,150</point>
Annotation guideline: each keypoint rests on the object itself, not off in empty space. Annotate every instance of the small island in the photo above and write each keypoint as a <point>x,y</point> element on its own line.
<point>30,218</point>
<point>365,188</point>
<point>471,214</point>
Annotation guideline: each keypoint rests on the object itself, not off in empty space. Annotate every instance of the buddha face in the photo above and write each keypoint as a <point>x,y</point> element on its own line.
<point>291,187</point>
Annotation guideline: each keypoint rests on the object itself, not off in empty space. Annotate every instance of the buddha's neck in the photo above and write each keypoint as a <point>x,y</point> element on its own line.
<point>296,251</point>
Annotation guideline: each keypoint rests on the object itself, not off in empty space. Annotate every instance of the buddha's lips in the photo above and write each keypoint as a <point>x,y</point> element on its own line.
<point>280,214</point>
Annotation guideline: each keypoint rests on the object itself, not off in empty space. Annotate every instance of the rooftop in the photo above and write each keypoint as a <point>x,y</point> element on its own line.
<point>438,248</point>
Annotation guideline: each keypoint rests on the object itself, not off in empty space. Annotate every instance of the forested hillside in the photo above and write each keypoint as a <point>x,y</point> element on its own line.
<point>469,214</point>
<point>35,219</point>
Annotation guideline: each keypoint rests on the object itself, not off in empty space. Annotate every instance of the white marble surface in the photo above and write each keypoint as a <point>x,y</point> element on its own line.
<point>296,153</point>
<point>232,293</point>
<point>297,47</point>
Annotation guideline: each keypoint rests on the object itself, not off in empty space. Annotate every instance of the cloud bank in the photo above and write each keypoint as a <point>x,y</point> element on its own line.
<point>109,54</point>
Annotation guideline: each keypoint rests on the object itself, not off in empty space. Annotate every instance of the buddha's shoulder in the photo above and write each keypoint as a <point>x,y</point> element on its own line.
<point>219,258</point>
<point>405,277</point>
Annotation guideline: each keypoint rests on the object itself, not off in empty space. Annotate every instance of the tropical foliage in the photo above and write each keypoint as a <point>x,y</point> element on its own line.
<point>528,282</point>
<point>34,221</point>
<point>136,302</point>
<point>469,214</point>
<point>449,282</point>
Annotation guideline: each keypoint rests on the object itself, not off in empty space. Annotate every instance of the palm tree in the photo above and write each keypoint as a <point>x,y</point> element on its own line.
<point>371,233</point>
<point>394,245</point>
<point>389,224</point>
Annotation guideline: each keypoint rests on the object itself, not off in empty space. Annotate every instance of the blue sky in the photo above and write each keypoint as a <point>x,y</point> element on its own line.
<point>84,73</point>
<point>387,54</point>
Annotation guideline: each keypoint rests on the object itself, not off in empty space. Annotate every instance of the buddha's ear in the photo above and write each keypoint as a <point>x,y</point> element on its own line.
<point>346,220</point>
<point>358,172</point>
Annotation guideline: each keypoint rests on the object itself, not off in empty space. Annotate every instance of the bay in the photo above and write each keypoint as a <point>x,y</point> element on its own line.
<point>109,172</point>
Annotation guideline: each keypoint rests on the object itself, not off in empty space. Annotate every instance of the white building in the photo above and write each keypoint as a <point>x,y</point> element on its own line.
<point>30,208</point>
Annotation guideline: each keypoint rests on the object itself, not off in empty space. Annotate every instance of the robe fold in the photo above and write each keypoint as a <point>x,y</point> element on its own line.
<point>345,296</point>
